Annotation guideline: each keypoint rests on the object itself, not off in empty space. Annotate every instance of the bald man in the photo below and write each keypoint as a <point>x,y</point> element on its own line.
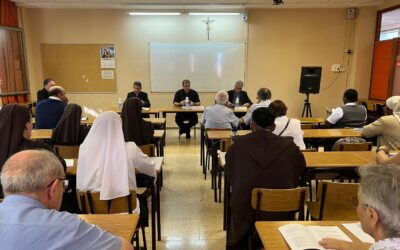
<point>49,112</point>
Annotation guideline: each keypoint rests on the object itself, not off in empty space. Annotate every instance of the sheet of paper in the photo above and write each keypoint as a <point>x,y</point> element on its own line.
<point>356,230</point>
<point>240,108</point>
<point>84,118</point>
<point>197,107</point>
<point>69,162</point>
<point>143,108</point>
<point>107,74</point>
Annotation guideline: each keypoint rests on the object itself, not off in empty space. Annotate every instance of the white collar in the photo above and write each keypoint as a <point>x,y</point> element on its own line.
<point>351,104</point>
<point>55,98</point>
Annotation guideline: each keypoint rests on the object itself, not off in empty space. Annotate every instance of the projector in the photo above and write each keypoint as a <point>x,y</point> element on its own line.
<point>277,2</point>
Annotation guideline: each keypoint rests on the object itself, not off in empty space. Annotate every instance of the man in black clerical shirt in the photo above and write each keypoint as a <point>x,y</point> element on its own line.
<point>137,92</point>
<point>43,94</point>
<point>186,120</point>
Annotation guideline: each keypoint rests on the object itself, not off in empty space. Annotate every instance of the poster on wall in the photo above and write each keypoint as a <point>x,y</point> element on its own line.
<point>107,57</point>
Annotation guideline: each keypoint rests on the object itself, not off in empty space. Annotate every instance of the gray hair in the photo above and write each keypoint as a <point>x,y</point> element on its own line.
<point>221,97</point>
<point>380,189</point>
<point>29,171</point>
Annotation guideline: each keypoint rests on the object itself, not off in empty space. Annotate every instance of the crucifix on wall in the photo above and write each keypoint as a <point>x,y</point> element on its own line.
<point>208,22</point>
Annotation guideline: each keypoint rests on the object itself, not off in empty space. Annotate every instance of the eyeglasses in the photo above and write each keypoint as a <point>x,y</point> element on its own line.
<point>65,183</point>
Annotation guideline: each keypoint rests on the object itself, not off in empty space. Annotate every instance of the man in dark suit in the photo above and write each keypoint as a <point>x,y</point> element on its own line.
<point>180,100</point>
<point>49,112</point>
<point>137,92</point>
<point>43,94</point>
<point>238,97</point>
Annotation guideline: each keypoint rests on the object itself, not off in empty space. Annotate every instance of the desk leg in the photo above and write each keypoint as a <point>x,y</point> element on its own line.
<point>202,145</point>
<point>153,218</point>
<point>158,206</point>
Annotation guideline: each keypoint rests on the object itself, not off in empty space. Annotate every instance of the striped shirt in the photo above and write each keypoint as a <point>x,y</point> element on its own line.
<point>247,117</point>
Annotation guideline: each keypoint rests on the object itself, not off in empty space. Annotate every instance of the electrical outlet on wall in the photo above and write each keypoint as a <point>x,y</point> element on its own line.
<point>336,67</point>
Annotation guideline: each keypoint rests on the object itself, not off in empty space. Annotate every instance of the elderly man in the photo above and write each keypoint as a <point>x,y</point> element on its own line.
<point>49,112</point>
<point>260,159</point>
<point>238,97</point>
<point>43,94</point>
<point>219,116</point>
<point>137,92</point>
<point>263,100</point>
<point>186,120</point>
<point>378,209</point>
<point>349,115</point>
<point>33,183</point>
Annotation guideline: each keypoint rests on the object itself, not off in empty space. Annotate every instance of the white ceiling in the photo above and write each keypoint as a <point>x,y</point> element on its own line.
<point>193,4</point>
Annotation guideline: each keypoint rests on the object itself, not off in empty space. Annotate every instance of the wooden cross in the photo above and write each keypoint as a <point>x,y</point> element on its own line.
<point>208,22</point>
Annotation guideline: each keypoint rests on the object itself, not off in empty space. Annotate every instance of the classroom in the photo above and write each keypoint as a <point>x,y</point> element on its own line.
<point>168,86</point>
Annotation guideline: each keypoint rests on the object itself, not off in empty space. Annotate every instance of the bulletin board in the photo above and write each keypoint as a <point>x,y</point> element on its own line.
<point>79,67</point>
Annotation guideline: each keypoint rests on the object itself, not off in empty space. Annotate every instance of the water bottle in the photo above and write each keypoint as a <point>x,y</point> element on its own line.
<point>237,103</point>
<point>187,102</point>
<point>120,103</point>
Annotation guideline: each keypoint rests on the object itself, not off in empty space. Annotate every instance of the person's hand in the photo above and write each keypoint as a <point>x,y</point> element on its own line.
<point>230,105</point>
<point>329,111</point>
<point>183,103</point>
<point>330,243</point>
<point>383,148</point>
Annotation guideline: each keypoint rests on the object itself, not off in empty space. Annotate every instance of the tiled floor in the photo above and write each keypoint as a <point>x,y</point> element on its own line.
<point>190,218</point>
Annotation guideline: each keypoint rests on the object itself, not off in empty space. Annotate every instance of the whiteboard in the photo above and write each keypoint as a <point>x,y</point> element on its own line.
<point>210,67</point>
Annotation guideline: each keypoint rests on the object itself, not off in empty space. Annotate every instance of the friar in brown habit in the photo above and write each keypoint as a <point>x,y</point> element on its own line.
<point>259,160</point>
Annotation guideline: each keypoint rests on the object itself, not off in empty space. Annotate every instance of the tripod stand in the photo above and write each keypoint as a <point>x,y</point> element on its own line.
<point>307,106</point>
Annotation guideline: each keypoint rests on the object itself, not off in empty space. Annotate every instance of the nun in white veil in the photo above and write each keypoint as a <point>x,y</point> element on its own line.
<point>106,163</point>
<point>386,128</point>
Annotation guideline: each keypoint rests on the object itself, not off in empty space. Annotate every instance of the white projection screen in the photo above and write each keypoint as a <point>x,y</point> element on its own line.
<point>210,67</point>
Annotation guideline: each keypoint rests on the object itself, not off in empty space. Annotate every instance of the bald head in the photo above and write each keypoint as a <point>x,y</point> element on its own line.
<point>59,92</point>
<point>30,171</point>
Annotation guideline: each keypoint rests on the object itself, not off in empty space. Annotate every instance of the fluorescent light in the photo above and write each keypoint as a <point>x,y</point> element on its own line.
<point>154,13</point>
<point>214,13</point>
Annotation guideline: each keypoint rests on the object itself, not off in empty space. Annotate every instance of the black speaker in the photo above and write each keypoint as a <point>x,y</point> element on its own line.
<point>310,79</point>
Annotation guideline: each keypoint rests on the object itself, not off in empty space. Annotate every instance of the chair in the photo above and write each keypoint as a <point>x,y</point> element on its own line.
<point>335,202</point>
<point>307,126</point>
<point>224,144</point>
<point>209,150</point>
<point>90,203</point>
<point>67,152</point>
<point>352,144</point>
<point>277,200</point>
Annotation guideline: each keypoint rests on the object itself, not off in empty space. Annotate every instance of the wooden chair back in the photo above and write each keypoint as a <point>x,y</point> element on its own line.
<point>67,152</point>
<point>90,203</point>
<point>365,146</point>
<point>148,149</point>
<point>278,200</point>
<point>337,201</point>
<point>307,126</point>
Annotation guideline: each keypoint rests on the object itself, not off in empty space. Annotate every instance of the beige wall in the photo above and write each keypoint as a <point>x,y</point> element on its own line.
<point>388,4</point>
<point>279,43</point>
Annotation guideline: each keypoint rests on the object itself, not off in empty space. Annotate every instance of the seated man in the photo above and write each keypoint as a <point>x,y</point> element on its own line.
<point>378,209</point>
<point>263,100</point>
<point>349,115</point>
<point>219,116</point>
<point>43,94</point>
<point>238,97</point>
<point>33,183</point>
<point>260,159</point>
<point>137,92</point>
<point>49,112</point>
<point>186,120</point>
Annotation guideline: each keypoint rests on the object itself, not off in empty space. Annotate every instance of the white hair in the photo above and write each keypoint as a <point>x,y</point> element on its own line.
<point>380,189</point>
<point>29,171</point>
<point>221,97</point>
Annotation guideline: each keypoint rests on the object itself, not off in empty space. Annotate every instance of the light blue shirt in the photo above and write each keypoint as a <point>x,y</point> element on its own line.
<point>26,224</point>
<point>219,116</point>
<point>247,117</point>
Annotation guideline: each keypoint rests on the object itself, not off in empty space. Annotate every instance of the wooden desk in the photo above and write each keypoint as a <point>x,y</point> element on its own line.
<point>224,134</point>
<point>150,111</point>
<point>175,109</point>
<point>308,120</point>
<point>330,133</point>
<point>41,134</point>
<point>121,225</point>
<point>339,159</point>
<point>273,239</point>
